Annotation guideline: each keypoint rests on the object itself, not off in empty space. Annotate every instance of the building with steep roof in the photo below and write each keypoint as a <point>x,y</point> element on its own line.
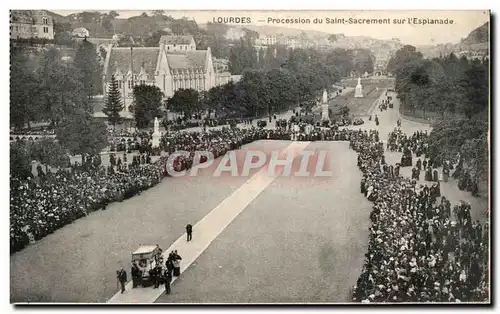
<point>168,69</point>
<point>31,24</point>
<point>178,43</point>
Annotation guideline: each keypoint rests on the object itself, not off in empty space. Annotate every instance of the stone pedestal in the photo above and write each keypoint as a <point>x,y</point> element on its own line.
<point>324,112</point>
<point>359,90</point>
<point>156,139</point>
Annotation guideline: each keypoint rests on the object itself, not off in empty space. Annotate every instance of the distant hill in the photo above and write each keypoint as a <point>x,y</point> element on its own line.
<point>57,17</point>
<point>477,40</point>
<point>477,36</point>
<point>285,31</point>
<point>143,26</point>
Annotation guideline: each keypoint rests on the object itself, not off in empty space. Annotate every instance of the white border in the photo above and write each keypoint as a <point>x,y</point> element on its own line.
<point>193,5</point>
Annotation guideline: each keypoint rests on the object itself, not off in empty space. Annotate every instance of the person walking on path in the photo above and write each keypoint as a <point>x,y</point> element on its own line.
<point>169,264</point>
<point>136,275</point>
<point>176,260</point>
<point>122,278</point>
<point>189,231</point>
<point>168,280</point>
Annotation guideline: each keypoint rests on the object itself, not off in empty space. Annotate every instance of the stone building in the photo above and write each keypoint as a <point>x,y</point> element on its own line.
<point>31,24</point>
<point>80,32</point>
<point>178,43</point>
<point>175,64</point>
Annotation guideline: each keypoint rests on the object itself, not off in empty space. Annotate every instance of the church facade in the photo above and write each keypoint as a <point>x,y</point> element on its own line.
<point>175,64</point>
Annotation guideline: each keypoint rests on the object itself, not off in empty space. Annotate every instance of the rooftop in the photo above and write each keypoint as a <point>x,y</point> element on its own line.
<point>176,40</point>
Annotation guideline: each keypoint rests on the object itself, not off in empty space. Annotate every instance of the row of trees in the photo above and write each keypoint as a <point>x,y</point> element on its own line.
<point>444,85</point>
<point>244,56</point>
<point>448,85</point>
<point>298,80</point>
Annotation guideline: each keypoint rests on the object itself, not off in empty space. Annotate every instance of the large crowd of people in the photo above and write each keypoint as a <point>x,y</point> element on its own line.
<point>41,204</point>
<point>44,203</point>
<point>43,131</point>
<point>419,250</point>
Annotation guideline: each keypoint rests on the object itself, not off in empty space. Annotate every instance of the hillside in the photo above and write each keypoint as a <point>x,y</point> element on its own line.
<point>57,17</point>
<point>477,36</point>
<point>101,25</point>
<point>285,31</point>
<point>476,41</point>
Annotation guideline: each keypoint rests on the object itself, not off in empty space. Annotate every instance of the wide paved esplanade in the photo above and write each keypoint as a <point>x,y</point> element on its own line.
<point>161,159</point>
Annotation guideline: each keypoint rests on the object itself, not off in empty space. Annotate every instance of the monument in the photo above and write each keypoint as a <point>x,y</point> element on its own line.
<point>324,106</point>
<point>359,89</point>
<point>156,133</point>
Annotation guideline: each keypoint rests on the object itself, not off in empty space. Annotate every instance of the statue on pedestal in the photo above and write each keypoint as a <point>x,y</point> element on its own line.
<point>324,107</point>
<point>359,89</point>
<point>156,126</point>
<point>156,133</point>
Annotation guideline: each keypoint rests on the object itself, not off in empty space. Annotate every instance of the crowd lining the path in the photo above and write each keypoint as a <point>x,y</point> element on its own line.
<point>419,248</point>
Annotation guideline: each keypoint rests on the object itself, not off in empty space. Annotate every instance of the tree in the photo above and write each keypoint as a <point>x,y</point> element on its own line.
<point>23,91</point>
<point>50,152</point>
<point>250,35</point>
<point>113,14</point>
<point>158,12</point>
<point>270,61</point>
<point>62,34</point>
<point>113,105</point>
<point>242,56</point>
<point>363,61</point>
<point>261,62</point>
<point>61,90</point>
<point>147,102</point>
<point>102,53</point>
<point>475,84</point>
<point>154,40</point>
<point>87,63</point>
<point>20,161</point>
<point>63,39</point>
<point>82,134</point>
<point>332,38</point>
<point>185,101</point>
<point>107,25</point>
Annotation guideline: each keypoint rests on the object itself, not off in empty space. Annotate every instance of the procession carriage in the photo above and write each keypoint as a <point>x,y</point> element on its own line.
<point>147,258</point>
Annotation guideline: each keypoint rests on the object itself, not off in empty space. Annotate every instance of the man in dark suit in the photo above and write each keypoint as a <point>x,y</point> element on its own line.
<point>155,274</point>
<point>168,280</point>
<point>122,278</point>
<point>189,231</point>
<point>135,275</point>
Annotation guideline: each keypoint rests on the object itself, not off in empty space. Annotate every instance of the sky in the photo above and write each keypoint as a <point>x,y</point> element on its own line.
<point>464,21</point>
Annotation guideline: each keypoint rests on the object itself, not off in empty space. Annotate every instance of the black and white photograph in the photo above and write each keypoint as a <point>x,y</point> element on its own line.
<point>250,157</point>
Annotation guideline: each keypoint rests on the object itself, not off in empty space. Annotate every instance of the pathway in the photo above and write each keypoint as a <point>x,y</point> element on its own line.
<point>210,226</point>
